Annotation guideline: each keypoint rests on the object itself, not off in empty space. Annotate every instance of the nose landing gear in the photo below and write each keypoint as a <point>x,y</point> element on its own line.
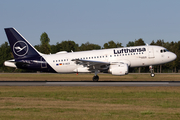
<point>152,72</point>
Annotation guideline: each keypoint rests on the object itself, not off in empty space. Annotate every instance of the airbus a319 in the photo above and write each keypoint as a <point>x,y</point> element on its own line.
<point>117,60</point>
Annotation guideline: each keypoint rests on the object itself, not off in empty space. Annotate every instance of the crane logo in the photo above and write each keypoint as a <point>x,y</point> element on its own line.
<point>20,48</point>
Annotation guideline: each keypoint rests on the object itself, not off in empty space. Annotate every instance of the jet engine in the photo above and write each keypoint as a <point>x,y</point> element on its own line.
<point>119,69</point>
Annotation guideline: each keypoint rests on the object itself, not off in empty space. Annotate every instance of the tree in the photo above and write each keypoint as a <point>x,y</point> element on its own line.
<point>130,43</point>
<point>112,44</point>
<point>153,43</point>
<point>64,46</point>
<point>37,47</point>
<point>6,54</point>
<point>139,42</point>
<point>89,46</point>
<point>68,46</point>
<point>118,45</point>
<point>44,46</point>
<point>106,46</point>
<point>160,42</point>
<point>54,49</point>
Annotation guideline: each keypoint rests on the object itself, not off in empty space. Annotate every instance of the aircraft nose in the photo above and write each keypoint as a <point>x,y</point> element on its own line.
<point>173,56</point>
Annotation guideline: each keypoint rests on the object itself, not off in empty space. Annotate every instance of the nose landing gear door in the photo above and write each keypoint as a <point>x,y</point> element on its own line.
<point>150,53</point>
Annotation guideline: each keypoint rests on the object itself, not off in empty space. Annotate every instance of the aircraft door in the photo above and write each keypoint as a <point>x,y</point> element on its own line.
<point>151,53</point>
<point>43,63</point>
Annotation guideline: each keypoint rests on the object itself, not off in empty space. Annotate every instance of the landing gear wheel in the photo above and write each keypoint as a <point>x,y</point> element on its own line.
<point>152,74</point>
<point>96,78</point>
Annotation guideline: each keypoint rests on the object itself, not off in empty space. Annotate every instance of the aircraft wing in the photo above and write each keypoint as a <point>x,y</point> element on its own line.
<point>92,64</point>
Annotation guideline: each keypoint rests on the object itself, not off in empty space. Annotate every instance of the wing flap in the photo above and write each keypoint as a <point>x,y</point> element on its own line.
<point>91,64</point>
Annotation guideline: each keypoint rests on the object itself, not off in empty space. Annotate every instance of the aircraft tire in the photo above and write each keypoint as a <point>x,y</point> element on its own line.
<point>152,74</point>
<point>96,78</point>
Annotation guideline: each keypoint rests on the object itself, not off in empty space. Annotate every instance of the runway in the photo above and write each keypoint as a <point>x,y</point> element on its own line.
<point>89,83</point>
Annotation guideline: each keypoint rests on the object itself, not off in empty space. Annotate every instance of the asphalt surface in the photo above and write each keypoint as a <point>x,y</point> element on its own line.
<point>89,83</point>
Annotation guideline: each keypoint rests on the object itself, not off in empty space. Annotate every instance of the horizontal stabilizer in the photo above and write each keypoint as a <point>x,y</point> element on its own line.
<point>10,63</point>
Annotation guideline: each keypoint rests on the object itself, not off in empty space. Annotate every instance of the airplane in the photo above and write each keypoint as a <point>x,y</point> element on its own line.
<point>116,60</point>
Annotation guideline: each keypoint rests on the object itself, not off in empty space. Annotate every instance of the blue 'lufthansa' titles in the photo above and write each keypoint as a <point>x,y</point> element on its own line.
<point>129,50</point>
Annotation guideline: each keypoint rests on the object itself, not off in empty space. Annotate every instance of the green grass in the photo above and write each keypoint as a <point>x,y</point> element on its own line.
<point>45,102</point>
<point>86,77</point>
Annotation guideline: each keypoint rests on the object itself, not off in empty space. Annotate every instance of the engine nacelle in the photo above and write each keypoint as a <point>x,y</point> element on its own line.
<point>119,69</point>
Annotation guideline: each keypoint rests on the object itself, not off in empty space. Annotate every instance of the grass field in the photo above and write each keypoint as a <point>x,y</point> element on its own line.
<point>87,77</point>
<point>63,102</point>
<point>54,103</point>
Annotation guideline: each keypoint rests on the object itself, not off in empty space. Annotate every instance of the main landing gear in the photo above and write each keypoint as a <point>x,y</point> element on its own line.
<point>96,77</point>
<point>151,69</point>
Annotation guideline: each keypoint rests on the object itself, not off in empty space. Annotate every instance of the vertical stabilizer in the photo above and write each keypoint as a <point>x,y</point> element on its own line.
<point>20,47</point>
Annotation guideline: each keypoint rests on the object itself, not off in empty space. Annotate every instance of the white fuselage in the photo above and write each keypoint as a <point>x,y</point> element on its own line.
<point>133,56</point>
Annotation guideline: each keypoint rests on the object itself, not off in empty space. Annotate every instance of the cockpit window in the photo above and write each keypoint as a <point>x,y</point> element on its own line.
<point>164,50</point>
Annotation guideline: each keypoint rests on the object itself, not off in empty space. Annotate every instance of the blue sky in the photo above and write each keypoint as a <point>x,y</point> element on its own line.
<point>94,21</point>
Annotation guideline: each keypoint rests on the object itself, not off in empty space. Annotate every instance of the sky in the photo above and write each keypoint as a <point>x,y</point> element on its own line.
<point>94,21</point>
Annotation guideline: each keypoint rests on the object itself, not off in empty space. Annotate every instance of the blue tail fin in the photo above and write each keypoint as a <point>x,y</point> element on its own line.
<point>20,47</point>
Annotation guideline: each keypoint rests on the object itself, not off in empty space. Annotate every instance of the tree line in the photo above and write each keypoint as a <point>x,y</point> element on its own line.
<point>69,46</point>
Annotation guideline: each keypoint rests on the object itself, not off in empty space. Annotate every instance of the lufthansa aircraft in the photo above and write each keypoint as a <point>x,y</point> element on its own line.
<point>117,60</point>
